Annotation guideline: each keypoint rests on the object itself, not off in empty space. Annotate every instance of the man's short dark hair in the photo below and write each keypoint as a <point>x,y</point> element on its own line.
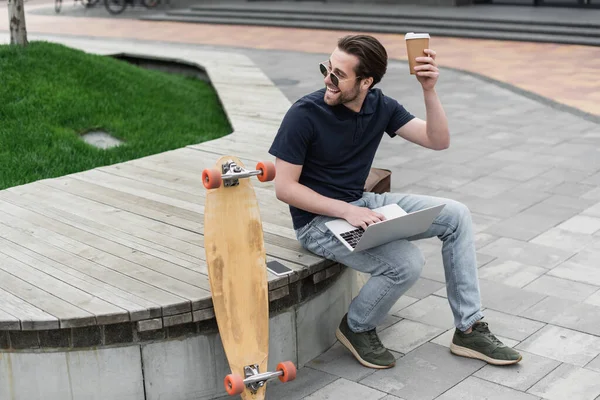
<point>371,54</point>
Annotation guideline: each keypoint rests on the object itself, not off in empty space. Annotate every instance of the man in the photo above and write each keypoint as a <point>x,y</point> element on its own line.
<point>324,150</point>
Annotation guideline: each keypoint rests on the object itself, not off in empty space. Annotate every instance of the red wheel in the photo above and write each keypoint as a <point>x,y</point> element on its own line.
<point>211,178</point>
<point>289,371</point>
<point>234,384</point>
<point>268,171</point>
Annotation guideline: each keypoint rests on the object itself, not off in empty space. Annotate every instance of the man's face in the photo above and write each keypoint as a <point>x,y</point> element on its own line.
<point>348,86</point>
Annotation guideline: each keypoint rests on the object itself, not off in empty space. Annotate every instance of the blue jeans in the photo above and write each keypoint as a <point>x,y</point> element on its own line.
<point>396,266</point>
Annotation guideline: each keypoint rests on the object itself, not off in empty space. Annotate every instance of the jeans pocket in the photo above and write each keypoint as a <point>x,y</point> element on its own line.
<point>319,244</point>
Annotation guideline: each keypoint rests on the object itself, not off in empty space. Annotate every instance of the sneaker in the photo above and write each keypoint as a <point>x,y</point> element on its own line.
<point>483,345</point>
<point>366,346</point>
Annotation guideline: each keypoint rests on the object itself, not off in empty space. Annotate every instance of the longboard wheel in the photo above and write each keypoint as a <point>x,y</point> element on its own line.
<point>289,371</point>
<point>268,171</point>
<point>211,178</point>
<point>234,384</point>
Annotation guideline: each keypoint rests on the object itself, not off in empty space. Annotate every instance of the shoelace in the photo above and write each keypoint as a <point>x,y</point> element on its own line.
<point>482,327</point>
<point>374,340</point>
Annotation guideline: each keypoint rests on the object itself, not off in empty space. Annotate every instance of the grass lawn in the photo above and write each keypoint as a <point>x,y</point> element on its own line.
<point>51,94</point>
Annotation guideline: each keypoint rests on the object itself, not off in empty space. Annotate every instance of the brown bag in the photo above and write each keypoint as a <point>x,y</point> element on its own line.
<point>379,180</point>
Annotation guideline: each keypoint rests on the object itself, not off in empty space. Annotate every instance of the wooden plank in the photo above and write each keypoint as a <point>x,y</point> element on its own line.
<point>74,278</point>
<point>88,304</point>
<point>70,294</point>
<point>67,314</point>
<point>138,265</point>
<point>67,208</point>
<point>32,318</point>
<point>182,219</point>
<point>163,197</point>
<point>87,191</point>
<point>132,254</point>
<point>106,231</point>
<point>82,206</point>
<point>156,300</point>
<point>9,322</point>
<point>110,227</point>
<point>276,216</point>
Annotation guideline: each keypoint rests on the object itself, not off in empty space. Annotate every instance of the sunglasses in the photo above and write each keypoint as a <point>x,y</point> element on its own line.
<point>334,78</point>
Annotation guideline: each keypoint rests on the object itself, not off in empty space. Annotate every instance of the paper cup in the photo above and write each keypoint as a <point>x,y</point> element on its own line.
<point>416,43</point>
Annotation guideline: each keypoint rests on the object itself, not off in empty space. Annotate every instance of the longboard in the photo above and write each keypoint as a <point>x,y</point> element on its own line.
<point>236,259</point>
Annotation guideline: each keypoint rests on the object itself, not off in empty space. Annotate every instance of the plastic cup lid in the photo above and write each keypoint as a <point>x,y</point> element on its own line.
<point>412,35</point>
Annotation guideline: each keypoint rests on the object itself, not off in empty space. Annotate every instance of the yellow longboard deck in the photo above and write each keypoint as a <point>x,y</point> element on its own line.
<point>236,258</point>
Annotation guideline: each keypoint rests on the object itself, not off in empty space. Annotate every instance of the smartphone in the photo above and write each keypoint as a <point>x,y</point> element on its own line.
<point>278,268</point>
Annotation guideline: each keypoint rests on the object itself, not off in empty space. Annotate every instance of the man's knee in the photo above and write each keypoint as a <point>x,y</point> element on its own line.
<point>458,212</point>
<point>410,264</point>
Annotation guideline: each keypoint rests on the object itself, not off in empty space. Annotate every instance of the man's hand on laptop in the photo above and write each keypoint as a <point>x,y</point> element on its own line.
<point>361,216</point>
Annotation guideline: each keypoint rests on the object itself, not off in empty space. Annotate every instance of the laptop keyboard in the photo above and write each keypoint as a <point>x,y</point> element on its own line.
<point>353,236</point>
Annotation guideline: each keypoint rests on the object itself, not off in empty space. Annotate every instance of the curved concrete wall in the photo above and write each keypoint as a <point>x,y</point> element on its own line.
<point>190,367</point>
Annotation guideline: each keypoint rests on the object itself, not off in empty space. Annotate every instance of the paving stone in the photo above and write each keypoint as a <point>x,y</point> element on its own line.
<point>406,335</point>
<point>446,181</point>
<point>446,338</point>
<point>499,207</point>
<point>593,194</point>
<point>483,239</point>
<point>563,239</point>
<point>568,382</point>
<point>526,253</point>
<point>564,288</point>
<point>488,186</point>
<point>581,224</point>
<point>563,344</point>
<point>307,382</point>
<point>423,288</point>
<point>520,171</point>
<point>347,390</point>
<point>511,326</point>
<point>592,180</point>
<point>571,189</point>
<point>511,273</point>
<point>528,224</point>
<point>483,259</point>
<point>340,362</point>
<point>403,302</point>
<point>582,317</point>
<point>423,374</point>
<point>475,389</point>
<point>482,222</point>
<point>577,272</point>
<point>520,376</point>
<point>388,321</point>
<point>594,299</point>
<point>594,210</point>
<point>594,365</point>
<point>432,310</point>
<point>508,299</point>
<point>406,176</point>
<point>576,203</point>
<point>434,269</point>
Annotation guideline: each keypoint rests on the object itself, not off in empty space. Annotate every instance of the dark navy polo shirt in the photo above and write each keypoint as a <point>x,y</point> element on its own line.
<point>335,145</point>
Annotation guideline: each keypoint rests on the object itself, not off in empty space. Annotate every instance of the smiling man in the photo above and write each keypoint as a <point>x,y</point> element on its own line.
<point>324,150</point>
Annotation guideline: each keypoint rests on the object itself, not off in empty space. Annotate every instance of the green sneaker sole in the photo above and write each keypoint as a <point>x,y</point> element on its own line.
<point>465,352</point>
<point>343,340</point>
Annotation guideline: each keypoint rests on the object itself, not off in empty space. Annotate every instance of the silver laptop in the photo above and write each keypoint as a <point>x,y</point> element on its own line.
<point>397,225</point>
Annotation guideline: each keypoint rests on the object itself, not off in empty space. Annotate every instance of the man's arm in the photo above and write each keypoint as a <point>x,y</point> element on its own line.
<point>433,133</point>
<point>290,191</point>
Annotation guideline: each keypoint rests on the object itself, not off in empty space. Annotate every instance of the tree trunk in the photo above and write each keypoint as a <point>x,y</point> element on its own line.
<point>16,18</point>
